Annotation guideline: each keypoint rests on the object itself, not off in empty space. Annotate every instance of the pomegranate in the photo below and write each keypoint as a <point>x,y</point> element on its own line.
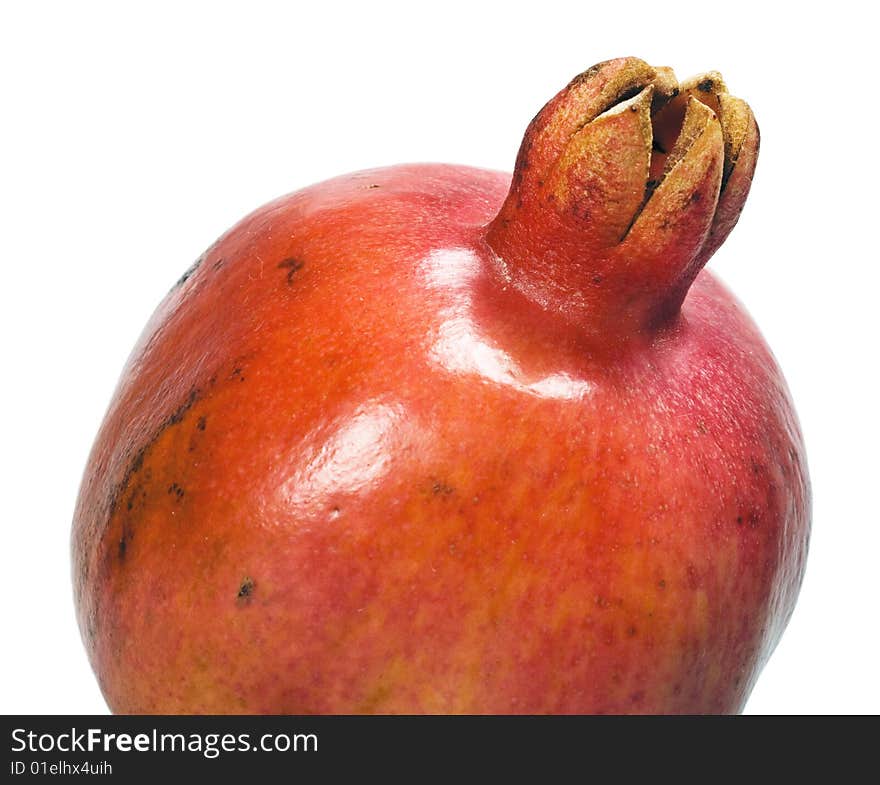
<point>429,439</point>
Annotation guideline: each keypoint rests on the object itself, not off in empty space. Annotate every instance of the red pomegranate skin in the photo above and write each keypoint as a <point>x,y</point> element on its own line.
<point>348,469</point>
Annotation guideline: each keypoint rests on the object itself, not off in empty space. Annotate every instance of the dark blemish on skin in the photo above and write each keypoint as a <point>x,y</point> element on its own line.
<point>588,74</point>
<point>441,489</point>
<point>202,422</point>
<point>218,264</point>
<point>373,185</point>
<point>597,279</point>
<point>637,697</point>
<point>705,86</point>
<point>661,584</point>
<point>695,197</point>
<point>138,461</point>
<point>739,520</point>
<point>124,540</point>
<point>246,590</point>
<point>189,272</point>
<point>601,601</point>
<point>175,490</point>
<point>177,415</point>
<point>631,632</point>
<point>292,266</point>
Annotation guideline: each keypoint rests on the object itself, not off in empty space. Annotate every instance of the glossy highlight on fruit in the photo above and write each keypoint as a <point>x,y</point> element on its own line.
<point>429,439</point>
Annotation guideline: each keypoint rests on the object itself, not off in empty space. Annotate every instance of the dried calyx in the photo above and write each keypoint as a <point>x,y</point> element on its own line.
<point>625,184</point>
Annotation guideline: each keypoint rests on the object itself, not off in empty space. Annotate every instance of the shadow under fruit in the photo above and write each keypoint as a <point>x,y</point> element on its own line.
<point>426,439</point>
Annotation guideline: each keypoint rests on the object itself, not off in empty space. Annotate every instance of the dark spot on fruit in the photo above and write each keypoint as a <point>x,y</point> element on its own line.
<point>739,520</point>
<point>601,601</point>
<point>246,589</point>
<point>597,279</point>
<point>706,85</point>
<point>588,74</point>
<point>631,631</point>
<point>441,489</point>
<point>218,264</point>
<point>373,185</point>
<point>137,461</point>
<point>292,266</point>
<point>177,415</point>
<point>695,197</point>
<point>123,545</point>
<point>201,423</point>
<point>637,697</point>
<point>661,584</point>
<point>175,490</point>
<point>189,272</point>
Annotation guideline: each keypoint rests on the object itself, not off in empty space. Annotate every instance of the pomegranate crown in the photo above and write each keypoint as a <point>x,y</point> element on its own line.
<point>626,182</point>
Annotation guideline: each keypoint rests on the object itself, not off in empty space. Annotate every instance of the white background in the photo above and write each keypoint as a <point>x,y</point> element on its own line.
<point>131,136</point>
